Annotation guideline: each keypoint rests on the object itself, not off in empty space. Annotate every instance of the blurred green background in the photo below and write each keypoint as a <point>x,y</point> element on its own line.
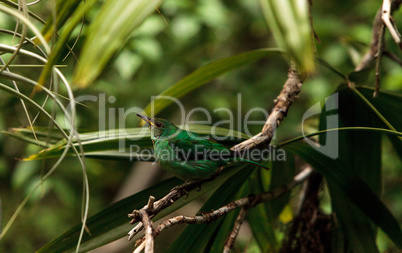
<point>159,53</point>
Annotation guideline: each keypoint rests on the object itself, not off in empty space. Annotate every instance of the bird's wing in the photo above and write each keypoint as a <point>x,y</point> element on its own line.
<point>188,149</point>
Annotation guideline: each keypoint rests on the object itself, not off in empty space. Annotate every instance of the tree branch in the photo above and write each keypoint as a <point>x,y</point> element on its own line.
<point>236,228</point>
<point>370,56</point>
<point>289,93</point>
<point>246,202</point>
<point>388,21</point>
<point>149,233</point>
<point>175,194</point>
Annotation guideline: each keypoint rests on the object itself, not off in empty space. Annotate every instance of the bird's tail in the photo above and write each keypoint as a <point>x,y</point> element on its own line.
<point>253,163</point>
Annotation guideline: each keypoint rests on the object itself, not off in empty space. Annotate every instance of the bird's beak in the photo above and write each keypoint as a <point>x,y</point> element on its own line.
<point>147,119</point>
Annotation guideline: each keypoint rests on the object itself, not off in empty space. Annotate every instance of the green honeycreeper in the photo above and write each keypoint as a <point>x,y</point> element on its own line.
<point>186,154</point>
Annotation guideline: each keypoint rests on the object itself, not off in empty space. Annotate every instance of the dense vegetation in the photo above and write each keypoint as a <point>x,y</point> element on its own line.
<point>226,59</point>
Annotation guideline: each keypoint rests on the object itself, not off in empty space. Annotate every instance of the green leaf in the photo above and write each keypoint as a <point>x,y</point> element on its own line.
<point>203,75</point>
<point>361,152</point>
<point>260,218</point>
<point>112,223</point>
<point>340,178</point>
<point>262,227</point>
<point>75,18</point>
<point>282,173</point>
<point>107,33</point>
<point>388,105</point>
<point>118,143</point>
<point>289,24</point>
<point>109,224</point>
<point>64,10</point>
<point>361,76</point>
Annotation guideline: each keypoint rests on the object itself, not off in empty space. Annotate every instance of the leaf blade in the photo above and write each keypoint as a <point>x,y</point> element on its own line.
<point>204,75</point>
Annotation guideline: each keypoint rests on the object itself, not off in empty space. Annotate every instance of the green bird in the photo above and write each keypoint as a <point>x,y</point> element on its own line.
<point>187,155</point>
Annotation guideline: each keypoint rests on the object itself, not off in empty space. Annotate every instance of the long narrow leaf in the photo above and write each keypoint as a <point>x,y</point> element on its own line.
<point>125,141</point>
<point>205,74</point>
<point>112,222</point>
<point>107,33</point>
<point>64,10</point>
<point>290,26</point>
<point>337,173</point>
<point>61,42</point>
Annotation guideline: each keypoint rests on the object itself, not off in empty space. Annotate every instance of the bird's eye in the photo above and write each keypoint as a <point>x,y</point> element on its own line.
<point>158,124</point>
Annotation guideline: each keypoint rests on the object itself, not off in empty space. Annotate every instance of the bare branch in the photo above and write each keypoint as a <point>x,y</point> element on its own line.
<point>246,202</point>
<point>378,61</point>
<point>393,57</point>
<point>289,93</point>
<point>150,205</point>
<point>175,194</point>
<point>140,247</point>
<point>236,228</point>
<point>388,21</point>
<point>371,54</point>
<point>149,233</point>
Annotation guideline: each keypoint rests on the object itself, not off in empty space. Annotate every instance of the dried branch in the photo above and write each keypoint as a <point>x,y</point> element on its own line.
<point>378,61</point>
<point>236,228</point>
<point>383,18</point>
<point>149,233</point>
<point>289,93</point>
<point>392,56</point>
<point>388,20</point>
<point>150,205</point>
<point>246,202</point>
<point>175,194</point>
<point>370,56</point>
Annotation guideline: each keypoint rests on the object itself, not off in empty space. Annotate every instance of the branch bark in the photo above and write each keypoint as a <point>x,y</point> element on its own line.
<point>370,56</point>
<point>289,93</point>
<point>149,233</point>
<point>236,228</point>
<point>246,202</point>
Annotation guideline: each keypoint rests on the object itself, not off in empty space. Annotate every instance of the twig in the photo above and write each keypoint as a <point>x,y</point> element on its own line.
<point>246,202</point>
<point>371,54</point>
<point>368,59</point>
<point>150,205</point>
<point>393,57</point>
<point>140,247</point>
<point>387,19</point>
<point>175,194</point>
<point>378,61</point>
<point>289,93</point>
<point>236,228</point>
<point>149,233</point>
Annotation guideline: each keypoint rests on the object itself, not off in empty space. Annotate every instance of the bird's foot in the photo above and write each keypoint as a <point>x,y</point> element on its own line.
<point>181,187</point>
<point>186,187</point>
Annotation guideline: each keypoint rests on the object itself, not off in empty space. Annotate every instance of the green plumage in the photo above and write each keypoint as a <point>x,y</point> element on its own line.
<point>187,155</point>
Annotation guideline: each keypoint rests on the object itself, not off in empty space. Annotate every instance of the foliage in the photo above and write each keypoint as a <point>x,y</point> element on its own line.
<point>204,53</point>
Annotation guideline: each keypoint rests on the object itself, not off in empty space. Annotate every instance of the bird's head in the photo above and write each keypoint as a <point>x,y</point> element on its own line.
<point>160,128</point>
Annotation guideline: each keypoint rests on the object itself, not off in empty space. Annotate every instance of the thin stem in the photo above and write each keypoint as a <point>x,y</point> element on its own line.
<point>235,231</point>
